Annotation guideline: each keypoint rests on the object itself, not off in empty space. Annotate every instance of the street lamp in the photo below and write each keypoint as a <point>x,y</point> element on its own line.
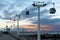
<point>38,5</point>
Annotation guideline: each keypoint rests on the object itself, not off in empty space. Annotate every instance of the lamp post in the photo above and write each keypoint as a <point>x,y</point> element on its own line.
<point>38,5</point>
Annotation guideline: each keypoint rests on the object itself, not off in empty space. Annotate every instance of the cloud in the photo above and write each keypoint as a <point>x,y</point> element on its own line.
<point>35,26</point>
<point>9,9</point>
<point>46,17</point>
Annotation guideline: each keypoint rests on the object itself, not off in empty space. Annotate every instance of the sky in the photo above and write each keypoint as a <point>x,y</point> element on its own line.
<point>10,8</point>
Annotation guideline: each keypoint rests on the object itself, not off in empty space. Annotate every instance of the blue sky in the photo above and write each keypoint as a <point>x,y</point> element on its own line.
<point>9,8</point>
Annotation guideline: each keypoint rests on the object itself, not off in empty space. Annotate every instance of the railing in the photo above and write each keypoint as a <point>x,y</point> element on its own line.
<point>32,33</point>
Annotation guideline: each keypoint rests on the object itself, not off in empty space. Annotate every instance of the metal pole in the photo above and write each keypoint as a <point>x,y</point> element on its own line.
<point>38,5</point>
<point>38,24</point>
<point>17,26</point>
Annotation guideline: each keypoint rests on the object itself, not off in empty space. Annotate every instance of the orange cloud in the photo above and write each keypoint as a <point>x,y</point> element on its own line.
<point>35,26</point>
